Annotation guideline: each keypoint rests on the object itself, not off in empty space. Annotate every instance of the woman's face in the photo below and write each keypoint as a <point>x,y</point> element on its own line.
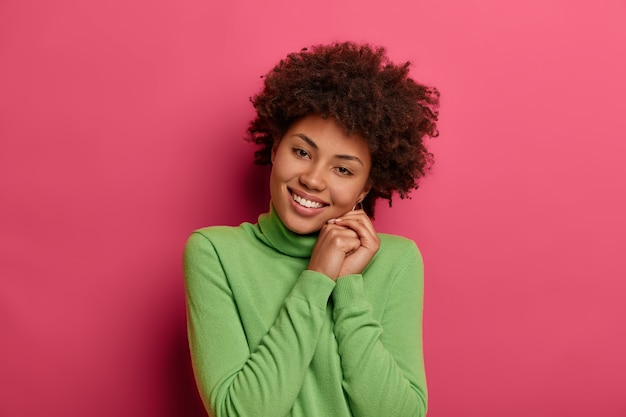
<point>318,173</point>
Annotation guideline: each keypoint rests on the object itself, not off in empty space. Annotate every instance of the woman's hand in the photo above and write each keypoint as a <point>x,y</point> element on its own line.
<point>356,261</point>
<point>345,245</point>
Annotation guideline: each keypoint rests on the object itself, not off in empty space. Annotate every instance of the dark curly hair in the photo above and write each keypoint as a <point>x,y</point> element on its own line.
<point>364,92</point>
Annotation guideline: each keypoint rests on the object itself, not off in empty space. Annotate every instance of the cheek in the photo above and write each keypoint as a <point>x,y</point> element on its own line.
<point>277,173</point>
<point>275,179</point>
<point>284,167</point>
<point>281,172</point>
<point>346,194</point>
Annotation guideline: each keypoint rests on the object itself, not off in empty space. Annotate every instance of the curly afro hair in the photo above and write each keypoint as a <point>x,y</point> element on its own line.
<point>364,92</point>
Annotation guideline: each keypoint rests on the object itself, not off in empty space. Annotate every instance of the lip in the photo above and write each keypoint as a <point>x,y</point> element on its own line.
<point>306,211</point>
<point>306,196</point>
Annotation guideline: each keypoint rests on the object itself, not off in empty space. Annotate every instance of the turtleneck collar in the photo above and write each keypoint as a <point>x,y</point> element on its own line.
<point>275,234</point>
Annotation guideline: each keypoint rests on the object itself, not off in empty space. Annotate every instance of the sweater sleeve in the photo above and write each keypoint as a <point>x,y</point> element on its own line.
<point>232,380</point>
<point>382,361</point>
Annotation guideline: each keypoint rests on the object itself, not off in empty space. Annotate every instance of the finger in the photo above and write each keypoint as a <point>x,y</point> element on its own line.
<point>358,214</point>
<point>367,239</point>
<point>361,224</point>
<point>345,238</point>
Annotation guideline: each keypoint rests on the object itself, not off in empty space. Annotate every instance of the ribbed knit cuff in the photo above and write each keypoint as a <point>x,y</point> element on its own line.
<point>313,287</point>
<point>348,291</point>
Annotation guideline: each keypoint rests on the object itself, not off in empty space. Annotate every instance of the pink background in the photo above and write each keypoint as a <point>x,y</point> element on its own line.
<point>121,126</point>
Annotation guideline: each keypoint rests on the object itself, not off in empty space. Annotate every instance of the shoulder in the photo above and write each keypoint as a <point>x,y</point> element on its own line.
<point>397,252</point>
<point>217,232</point>
<point>397,244</point>
<point>220,236</point>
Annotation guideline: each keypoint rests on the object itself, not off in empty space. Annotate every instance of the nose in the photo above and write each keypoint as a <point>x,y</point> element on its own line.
<point>313,177</point>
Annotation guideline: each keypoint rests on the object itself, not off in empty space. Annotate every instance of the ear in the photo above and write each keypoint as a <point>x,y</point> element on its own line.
<point>365,191</point>
<point>274,147</point>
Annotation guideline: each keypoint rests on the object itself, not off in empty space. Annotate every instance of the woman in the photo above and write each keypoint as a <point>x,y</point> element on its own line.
<point>310,312</point>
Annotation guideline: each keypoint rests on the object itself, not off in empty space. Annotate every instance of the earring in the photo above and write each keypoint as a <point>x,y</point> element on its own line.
<point>359,204</point>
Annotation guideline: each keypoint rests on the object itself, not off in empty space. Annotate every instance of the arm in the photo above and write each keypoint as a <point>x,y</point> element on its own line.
<point>234,381</point>
<point>382,361</point>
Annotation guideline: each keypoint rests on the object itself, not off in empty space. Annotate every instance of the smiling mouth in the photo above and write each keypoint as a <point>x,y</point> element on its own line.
<point>306,203</point>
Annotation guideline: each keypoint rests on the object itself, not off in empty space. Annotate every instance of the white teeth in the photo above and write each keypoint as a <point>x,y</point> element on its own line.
<point>306,203</point>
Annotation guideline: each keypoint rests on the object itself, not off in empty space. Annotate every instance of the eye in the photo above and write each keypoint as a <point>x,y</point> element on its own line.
<point>301,153</point>
<point>344,171</point>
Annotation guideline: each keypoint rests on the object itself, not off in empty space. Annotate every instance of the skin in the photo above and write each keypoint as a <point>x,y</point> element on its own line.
<point>318,162</point>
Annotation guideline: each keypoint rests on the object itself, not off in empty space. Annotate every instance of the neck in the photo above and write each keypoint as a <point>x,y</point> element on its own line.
<point>277,235</point>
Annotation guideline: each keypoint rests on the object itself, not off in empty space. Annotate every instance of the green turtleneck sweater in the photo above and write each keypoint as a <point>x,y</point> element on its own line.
<point>270,338</point>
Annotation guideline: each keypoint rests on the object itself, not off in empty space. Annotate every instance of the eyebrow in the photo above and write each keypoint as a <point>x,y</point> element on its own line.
<point>312,144</point>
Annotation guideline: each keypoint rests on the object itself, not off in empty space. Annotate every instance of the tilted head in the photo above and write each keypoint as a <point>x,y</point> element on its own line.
<point>365,93</point>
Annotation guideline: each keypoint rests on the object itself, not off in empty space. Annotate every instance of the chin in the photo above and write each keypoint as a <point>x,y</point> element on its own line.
<point>302,227</point>
<point>302,220</point>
